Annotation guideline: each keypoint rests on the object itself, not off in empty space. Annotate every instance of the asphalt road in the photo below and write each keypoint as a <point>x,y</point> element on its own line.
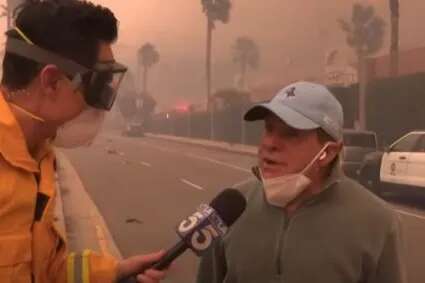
<point>145,186</point>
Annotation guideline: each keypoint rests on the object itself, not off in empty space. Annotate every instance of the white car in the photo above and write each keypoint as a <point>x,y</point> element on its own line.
<point>400,168</point>
<point>403,164</point>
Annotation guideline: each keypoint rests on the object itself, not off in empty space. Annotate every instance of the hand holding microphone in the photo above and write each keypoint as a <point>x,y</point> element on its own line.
<point>199,230</point>
<point>133,264</point>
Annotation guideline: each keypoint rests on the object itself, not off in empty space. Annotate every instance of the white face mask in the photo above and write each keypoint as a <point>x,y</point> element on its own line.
<point>280,191</point>
<point>80,131</point>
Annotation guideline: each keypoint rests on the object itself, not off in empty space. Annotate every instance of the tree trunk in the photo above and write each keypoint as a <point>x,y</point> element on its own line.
<point>210,102</point>
<point>395,26</point>
<point>138,75</point>
<point>145,79</point>
<point>243,74</point>
<point>208,62</point>
<point>362,92</point>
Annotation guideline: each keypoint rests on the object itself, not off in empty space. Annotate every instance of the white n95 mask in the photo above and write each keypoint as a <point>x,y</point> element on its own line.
<point>80,131</point>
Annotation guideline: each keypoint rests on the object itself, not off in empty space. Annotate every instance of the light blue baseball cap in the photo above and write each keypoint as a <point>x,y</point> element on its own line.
<point>304,106</point>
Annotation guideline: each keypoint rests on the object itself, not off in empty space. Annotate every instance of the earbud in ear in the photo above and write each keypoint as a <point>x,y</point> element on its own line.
<point>323,156</point>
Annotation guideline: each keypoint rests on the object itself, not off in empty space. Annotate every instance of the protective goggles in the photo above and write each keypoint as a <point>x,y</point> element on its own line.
<point>98,84</point>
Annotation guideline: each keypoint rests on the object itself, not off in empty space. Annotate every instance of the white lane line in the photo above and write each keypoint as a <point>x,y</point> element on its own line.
<point>192,185</point>
<point>145,164</point>
<point>201,158</point>
<point>422,217</point>
<point>160,148</point>
<point>219,162</point>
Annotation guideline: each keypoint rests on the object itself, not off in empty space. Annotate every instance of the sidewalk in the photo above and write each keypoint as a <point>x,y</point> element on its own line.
<point>77,216</point>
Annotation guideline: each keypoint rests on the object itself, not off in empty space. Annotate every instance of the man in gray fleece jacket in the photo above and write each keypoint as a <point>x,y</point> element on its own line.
<point>305,222</point>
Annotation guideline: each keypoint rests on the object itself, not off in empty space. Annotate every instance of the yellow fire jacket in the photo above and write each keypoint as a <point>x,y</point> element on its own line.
<point>31,248</point>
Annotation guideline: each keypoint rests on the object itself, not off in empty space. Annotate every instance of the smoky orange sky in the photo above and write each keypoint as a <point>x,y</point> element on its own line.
<point>293,35</point>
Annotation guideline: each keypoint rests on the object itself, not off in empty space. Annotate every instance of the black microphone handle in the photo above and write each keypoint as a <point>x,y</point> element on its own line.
<point>162,264</point>
<point>170,256</point>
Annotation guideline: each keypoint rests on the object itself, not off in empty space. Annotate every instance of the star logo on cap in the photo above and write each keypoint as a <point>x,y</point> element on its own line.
<point>290,92</point>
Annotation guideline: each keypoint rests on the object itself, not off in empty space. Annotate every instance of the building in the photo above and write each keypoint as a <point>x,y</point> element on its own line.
<point>410,62</point>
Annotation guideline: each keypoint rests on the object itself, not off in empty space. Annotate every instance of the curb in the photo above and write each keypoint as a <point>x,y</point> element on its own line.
<point>238,148</point>
<point>85,227</point>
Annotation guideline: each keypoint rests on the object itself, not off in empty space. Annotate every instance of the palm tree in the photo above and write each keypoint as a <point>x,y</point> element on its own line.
<point>148,56</point>
<point>247,55</point>
<point>395,26</point>
<point>365,34</point>
<point>215,10</point>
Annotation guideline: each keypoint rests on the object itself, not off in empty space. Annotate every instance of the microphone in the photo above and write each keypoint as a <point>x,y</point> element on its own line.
<point>198,231</point>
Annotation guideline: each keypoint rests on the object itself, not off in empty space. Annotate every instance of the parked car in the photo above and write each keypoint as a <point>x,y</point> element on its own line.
<point>357,144</point>
<point>399,168</point>
<point>134,129</point>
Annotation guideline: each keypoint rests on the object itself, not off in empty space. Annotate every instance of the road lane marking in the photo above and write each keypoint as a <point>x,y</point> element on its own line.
<point>410,214</point>
<point>145,164</point>
<point>160,148</point>
<point>219,162</point>
<point>199,188</point>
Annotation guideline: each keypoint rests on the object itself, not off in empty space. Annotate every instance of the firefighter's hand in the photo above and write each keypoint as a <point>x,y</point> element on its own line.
<point>136,264</point>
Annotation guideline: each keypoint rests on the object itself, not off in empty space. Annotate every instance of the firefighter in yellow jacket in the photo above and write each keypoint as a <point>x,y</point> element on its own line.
<point>58,71</point>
